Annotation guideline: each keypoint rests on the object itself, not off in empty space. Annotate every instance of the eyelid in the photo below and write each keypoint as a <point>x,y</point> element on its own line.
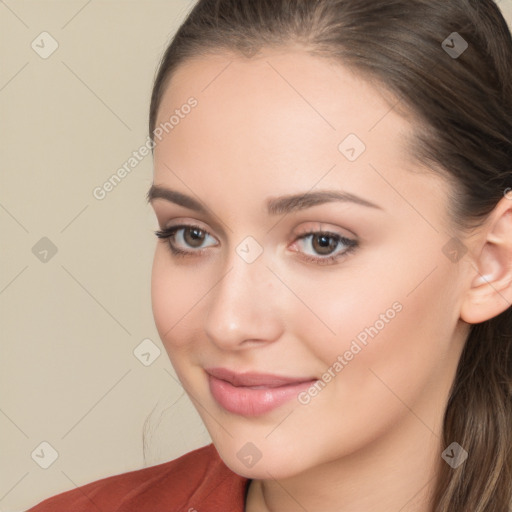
<point>174,228</point>
<point>186,222</point>
<point>324,227</point>
<point>170,212</point>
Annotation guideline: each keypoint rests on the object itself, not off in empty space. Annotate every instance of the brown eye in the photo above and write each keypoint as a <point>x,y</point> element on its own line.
<point>194,237</point>
<point>186,240</point>
<point>324,244</point>
<point>323,247</point>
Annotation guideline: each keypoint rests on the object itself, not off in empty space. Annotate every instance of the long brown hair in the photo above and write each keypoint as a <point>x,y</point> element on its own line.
<point>464,105</point>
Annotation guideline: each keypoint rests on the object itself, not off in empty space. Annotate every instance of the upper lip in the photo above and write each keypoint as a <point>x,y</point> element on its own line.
<point>254,378</point>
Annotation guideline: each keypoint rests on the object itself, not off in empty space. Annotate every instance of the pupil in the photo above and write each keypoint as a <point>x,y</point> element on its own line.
<point>325,242</point>
<point>196,235</point>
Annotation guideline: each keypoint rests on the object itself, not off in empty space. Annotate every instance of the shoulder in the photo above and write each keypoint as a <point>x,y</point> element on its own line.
<point>198,480</point>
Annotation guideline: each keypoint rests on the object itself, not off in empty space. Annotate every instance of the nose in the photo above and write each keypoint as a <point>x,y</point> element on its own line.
<point>243,306</point>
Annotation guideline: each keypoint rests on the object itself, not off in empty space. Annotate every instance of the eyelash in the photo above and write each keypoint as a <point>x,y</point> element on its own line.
<point>169,233</point>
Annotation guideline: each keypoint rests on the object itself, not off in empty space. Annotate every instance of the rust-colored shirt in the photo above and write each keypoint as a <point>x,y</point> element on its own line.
<point>198,481</point>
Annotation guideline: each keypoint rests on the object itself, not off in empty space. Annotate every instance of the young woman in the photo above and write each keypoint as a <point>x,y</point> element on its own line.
<point>333,275</point>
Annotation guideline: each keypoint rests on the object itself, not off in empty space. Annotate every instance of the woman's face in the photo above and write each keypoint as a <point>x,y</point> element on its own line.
<point>368,306</point>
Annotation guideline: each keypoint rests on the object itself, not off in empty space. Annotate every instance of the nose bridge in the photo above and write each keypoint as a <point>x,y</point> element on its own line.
<point>242,302</point>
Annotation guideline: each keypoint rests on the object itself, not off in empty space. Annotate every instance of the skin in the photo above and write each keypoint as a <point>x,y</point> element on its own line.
<point>271,126</point>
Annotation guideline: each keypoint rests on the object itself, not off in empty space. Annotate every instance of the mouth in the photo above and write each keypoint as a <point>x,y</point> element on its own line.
<point>253,394</point>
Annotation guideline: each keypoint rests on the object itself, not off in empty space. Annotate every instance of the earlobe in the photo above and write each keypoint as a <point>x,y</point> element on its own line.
<point>490,291</point>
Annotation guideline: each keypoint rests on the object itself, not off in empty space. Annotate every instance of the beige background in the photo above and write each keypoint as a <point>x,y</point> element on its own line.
<point>70,323</point>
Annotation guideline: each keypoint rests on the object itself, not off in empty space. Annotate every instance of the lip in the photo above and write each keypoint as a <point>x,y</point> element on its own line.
<point>253,394</point>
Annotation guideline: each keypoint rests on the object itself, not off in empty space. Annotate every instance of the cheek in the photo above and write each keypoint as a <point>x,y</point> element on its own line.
<point>176,295</point>
<point>392,326</point>
<point>365,387</point>
<point>162,295</point>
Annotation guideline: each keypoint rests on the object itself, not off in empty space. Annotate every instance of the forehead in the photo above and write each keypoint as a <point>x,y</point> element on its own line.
<point>314,91</point>
<point>280,122</point>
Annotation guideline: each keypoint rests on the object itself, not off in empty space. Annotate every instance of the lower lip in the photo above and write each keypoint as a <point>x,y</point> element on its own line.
<point>247,401</point>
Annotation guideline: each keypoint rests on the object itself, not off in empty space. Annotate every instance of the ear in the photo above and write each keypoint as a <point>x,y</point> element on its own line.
<point>490,291</point>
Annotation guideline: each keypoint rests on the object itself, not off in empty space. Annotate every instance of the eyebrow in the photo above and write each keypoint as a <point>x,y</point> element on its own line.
<point>275,205</point>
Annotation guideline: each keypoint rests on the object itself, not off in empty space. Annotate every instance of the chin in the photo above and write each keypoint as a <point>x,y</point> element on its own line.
<point>249,461</point>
